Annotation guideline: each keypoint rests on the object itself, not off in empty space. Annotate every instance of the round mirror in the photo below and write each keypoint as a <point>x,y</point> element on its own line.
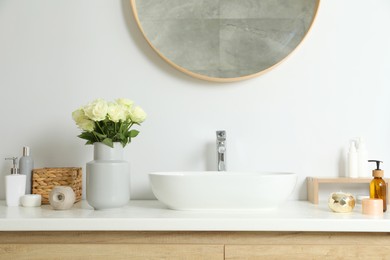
<point>224,40</point>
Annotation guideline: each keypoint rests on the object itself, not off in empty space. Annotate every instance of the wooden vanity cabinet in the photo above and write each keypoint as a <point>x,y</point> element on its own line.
<point>193,245</point>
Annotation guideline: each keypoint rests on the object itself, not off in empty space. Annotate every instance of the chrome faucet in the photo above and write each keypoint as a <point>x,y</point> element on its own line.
<point>221,150</point>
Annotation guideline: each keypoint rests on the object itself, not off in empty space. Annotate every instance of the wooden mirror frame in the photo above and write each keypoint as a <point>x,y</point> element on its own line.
<point>215,79</point>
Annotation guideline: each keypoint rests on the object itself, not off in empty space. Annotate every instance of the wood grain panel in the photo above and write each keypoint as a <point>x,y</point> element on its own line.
<point>352,252</point>
<point>236,238</point>
<point>113,251</point>
<point>193,245</point>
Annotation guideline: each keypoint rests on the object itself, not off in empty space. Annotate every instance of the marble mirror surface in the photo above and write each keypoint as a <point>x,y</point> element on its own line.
<point>224,40</point>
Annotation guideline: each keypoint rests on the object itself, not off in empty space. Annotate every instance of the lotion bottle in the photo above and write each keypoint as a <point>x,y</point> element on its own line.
<point>15,185</point>
<point>26,165</point>
<point>363,171</point>
<point>378,185</point>
<point>352,161</point>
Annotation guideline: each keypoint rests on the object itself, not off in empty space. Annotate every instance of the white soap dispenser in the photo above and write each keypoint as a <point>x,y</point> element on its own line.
<point>362,159</point>
<point>352,171</point>
<point>15,184</point>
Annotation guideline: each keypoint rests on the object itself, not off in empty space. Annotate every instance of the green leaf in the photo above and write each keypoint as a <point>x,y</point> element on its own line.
<point>87,136</point>
<point>121,136</point>
<point>101,136</point>
<point>108,142</point>
<point>133,133</point>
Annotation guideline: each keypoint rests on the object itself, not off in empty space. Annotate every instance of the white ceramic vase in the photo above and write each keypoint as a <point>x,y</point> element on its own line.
<point>108,178</point>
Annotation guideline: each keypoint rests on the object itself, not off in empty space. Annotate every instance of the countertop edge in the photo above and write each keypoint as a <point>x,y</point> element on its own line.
<point>299,216</point>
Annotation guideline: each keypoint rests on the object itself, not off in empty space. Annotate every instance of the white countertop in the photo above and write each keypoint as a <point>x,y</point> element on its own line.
<point>151,215</point>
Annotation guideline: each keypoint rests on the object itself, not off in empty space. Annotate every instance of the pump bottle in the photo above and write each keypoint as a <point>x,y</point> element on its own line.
<point>26,165</point>
<point>15,184</point>
<point>363,171</point>
<point>378,185</point>
<point>352,170</point>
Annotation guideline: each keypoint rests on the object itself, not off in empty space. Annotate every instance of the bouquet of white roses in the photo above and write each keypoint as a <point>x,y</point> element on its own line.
<point>109,122</point>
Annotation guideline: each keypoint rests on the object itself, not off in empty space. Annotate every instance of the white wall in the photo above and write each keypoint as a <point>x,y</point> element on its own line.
<point>58,55</point>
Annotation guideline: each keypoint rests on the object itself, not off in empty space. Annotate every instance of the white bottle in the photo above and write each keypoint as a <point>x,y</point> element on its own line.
<point>363,171</point>
<point>26,165</point>
<point>352,171</point>
<point>15,185</point>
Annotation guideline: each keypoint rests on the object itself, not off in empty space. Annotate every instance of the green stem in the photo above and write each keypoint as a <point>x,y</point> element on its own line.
<point>131,124</point>
<point>101,129</point>
<point>97,138</point>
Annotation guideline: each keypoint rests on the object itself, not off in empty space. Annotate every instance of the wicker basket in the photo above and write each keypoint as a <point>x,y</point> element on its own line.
<point>45,179</point>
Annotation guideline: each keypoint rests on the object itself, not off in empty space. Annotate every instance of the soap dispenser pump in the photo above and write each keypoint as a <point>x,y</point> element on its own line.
<point>15,184</point>
<point>378,185</point>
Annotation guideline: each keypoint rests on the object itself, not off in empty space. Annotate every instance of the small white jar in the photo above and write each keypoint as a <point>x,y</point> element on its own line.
<point>31,200</point>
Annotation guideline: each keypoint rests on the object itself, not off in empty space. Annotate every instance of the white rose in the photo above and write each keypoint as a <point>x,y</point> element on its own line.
<point>87,125</point>
<point>78,115</point>
<point>116,112</point>
<point>125,102</point>
<point>96,110</point>
<point>137,115</point>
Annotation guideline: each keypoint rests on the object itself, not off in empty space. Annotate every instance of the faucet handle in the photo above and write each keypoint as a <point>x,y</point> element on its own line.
<point>221,135</point>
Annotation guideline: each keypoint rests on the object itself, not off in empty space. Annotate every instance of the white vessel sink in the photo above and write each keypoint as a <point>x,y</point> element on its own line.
<point>222,190</point>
